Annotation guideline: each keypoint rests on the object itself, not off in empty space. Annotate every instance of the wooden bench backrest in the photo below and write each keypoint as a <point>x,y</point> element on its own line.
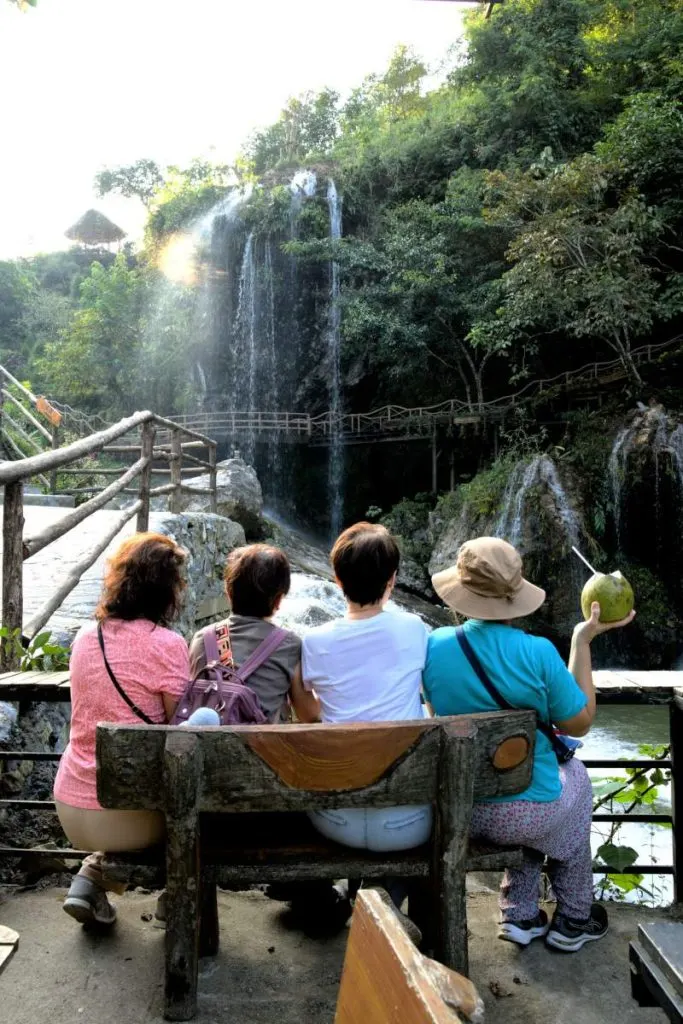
<point>303,767</point>
<point>387,981</point>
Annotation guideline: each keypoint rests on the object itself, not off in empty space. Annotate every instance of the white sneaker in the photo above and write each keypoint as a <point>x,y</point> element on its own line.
<point>523,932</point>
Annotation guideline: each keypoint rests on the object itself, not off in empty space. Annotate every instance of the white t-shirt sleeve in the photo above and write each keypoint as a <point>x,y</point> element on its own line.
<point>310,662</point>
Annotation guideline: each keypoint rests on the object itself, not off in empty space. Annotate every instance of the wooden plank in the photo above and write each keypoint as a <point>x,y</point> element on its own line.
<point>36,678</point>
<point>320,761</point>
<point>387,981</point>
<point>6,954</point>
<point>662,941</point>
<point>130,757</point>
<point>650,986</point>
<point>457,767</point>
<point>606,681</point>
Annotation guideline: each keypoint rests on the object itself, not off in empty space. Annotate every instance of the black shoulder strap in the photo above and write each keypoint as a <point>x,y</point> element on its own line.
<point>477,666</point>
<point>122,693</point>
<point>485,680</point>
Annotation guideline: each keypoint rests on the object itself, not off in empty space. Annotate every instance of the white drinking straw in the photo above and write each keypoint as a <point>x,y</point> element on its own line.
<point>584,560</point>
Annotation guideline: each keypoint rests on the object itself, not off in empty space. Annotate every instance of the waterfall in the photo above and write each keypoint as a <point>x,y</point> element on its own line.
<point>653,425</point>
<point>675,443</point>
<point>336,463</point>
<point>244,333</point>
<point>541,470</point>
<point>503,527</point>
<point>616,471</point>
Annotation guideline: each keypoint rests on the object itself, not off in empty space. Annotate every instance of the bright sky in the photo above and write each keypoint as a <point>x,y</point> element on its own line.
<point>92,83</point>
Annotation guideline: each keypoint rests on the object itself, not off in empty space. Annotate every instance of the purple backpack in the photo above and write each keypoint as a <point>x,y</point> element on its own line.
<point>223,688</point>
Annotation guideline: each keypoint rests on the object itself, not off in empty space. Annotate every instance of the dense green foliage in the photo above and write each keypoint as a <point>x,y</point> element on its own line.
<point>521,218</point>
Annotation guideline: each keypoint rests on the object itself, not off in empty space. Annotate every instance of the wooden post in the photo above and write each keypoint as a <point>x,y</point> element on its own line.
<point>676,740</point>
<point>212,479</point>
<point>147,446</point>
<point>182,774</point>
<point>453,810</point>
<point>176,472</point>
<point>451,468</point>
<point>54,444</point>
<point>12,571</point>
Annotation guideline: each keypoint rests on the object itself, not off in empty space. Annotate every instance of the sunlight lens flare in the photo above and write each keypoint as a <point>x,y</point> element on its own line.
<point>177,260</point>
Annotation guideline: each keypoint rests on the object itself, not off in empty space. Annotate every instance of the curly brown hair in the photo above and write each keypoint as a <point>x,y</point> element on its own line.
<point>143,580</point>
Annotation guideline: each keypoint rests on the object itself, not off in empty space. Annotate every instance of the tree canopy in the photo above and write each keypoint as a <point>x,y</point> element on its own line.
<point>519,219</point>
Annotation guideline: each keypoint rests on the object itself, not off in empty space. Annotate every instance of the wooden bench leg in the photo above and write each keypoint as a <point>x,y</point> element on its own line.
<point>454,811</point>
<point>422,907</point>
<point>182,784</point>
<point>208,913</point>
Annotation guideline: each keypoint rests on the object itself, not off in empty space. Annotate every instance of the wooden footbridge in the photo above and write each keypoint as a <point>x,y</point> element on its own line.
<point>401,423</point>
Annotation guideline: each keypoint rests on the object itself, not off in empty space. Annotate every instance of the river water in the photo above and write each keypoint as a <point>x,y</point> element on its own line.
<point>617,733</point>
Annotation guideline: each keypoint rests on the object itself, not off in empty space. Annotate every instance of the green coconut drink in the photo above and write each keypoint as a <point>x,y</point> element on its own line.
<point>613,593</point>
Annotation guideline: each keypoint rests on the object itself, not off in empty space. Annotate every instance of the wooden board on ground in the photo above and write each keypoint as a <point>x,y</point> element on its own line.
<point>9,942</point>
<point>657,967</point>
<point>386,980</point>
<point>635,686</point>
<point>47,686</point>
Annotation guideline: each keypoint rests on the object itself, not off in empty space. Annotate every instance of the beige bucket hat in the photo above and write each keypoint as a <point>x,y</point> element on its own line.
<point>487,582</point>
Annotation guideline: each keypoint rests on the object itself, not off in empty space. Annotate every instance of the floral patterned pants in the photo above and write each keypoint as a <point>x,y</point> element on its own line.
<point>560,831</point>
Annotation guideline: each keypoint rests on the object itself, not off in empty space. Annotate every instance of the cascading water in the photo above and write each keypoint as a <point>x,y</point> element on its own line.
<point>616,470</point>
<point>244,334</point>
<point>648,436</point>
<point>336,463</point>
<point>676,445</point>
<point>541,470</point>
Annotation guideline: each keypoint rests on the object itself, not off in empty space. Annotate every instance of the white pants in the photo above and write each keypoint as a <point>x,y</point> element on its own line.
<point>390,828</point>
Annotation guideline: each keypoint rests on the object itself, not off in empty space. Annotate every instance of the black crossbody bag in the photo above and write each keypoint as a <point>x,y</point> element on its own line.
<point>563,753</point>
<point>122,693</point>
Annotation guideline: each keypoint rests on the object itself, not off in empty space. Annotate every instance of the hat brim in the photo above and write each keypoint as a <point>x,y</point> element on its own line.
<point>460,598</point>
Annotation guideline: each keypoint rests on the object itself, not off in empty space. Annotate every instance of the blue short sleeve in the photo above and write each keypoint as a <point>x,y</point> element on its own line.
<point>565,696</point>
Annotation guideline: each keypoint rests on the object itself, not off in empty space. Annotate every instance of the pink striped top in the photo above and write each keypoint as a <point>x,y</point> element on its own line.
<point>148,661</point>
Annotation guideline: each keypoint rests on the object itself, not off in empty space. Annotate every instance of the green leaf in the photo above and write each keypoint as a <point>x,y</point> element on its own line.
<point>627,883</point>
<point>617,857</point>
<point>39,640</point>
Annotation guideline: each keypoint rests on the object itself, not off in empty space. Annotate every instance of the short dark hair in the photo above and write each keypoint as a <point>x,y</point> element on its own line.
<point>255,577</point>
<point>143,580</point>
<point>364,558</point>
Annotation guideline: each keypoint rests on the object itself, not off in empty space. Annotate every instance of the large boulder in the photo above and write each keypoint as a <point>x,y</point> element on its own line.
<point>529,505</point>
<point>238,494</point>
<point>208,540</point>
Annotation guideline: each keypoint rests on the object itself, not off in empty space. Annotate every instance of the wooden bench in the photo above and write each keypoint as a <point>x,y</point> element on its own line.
<point>657,967</point>
<point>210,784</point>
<point>387,981</point>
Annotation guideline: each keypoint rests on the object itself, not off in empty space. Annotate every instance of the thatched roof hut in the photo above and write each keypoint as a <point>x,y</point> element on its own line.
<point>93,228</point>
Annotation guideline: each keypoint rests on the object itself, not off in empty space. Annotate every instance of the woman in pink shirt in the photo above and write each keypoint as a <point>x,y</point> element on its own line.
<point>142,592</point>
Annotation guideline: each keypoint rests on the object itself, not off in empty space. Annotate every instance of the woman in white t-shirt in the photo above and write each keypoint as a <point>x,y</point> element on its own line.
<point>367,667</point>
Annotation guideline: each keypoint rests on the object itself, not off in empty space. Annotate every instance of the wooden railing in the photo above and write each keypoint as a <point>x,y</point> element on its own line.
<point>418,420</point>
<point>132,438</point>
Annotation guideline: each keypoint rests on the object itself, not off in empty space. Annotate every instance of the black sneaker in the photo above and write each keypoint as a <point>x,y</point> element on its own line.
<point>522,932</point>
<point>569,933</point>
<point>88,904</point>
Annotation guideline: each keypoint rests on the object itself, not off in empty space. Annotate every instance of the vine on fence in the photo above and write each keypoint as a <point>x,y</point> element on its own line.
<point>637,788</point>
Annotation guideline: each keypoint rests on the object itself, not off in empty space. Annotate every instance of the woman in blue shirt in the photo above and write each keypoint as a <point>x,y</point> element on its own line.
<point>552,817</point>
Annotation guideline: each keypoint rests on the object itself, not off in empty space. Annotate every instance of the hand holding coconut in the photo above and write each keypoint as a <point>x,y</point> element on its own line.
<point>606,602</point>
